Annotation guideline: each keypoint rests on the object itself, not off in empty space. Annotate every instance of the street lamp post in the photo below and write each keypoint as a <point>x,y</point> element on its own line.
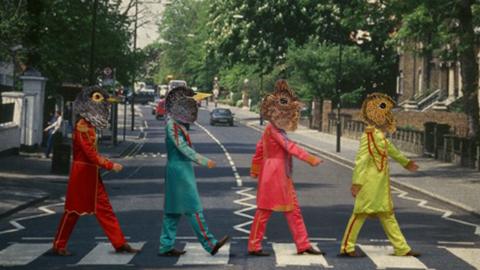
<point>134,67</point>
<point>338,94</point>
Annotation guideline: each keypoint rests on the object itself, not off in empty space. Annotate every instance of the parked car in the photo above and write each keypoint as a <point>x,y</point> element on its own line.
<point>220,115</point>
<point>176,83</point>
<point>160,109</point>
<point>144,97</point>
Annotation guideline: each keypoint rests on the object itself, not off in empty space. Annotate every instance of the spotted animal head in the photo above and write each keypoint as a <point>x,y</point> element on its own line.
<point>181,106</point>
<point>281,107</point>
<point>92,103</point>
<point>377,111</point>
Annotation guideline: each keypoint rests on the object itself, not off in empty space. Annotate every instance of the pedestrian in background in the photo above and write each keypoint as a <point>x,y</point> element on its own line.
<point>52,129</point>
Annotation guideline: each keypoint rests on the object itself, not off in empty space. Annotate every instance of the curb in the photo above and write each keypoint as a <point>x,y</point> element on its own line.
<point>22,206</point>
<point>396,183</point>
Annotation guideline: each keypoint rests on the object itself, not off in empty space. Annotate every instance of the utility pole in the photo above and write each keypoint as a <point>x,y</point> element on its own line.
<point>338,88</point>
<point>92,43</point>
<point>134,66</point>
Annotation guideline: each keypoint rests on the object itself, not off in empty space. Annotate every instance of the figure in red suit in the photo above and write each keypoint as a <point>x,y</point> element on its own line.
<point>86,193</point>
<point>272,164</point>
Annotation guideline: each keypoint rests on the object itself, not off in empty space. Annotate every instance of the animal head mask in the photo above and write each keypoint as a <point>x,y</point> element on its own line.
<point>92,103</point>
<point>377,111</point>
<point>181,106</point>
<point>281,107</point>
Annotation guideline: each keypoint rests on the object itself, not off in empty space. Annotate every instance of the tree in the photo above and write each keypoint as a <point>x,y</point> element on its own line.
<point>446,29</point>
<point>12,25</point>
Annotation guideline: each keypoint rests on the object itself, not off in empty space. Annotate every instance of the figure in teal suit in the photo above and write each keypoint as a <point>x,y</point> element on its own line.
<point>181,194</point>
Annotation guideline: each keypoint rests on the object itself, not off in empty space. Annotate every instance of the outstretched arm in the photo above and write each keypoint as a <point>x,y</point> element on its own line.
<point>184,148</point>
<point>400,157</point>
<point>87,145</point>
<point>291,147</point>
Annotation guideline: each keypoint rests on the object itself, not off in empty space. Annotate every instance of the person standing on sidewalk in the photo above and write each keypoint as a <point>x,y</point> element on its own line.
<point>52,129</point>
<point>181,194</point>
<point>272,164</point>
<point>86,193</point>
<point>371,179</point>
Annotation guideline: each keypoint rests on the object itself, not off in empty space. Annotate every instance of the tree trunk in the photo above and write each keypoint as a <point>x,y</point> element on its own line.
<point>469,67</point>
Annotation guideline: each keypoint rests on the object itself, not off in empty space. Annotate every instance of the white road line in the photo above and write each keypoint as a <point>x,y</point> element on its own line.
<point>286,254</point>
<point>322,239</point>
<point>37,238</point>
<point>196,255</point>
<point>104,254</point>
<point>446,213</point>
<point>15,222</point>
<point>455,243</point>
<point>246,207</point>
<point>383,258</point>
<point>232,164</point>
<point>468,255</point>
<point>22,254</point>
<point>106,238</point>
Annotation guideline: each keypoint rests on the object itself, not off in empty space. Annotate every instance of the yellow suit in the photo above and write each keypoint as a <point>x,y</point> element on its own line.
<point>374,199</point>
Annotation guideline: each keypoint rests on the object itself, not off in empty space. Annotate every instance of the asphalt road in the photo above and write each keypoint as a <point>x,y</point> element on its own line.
<point>137,198</point>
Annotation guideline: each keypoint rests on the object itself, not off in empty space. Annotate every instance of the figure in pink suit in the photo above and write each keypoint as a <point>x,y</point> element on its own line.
<point>272,164</point>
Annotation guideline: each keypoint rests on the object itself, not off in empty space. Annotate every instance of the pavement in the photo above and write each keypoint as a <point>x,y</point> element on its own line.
<point>455,185</point>
<point>26,179</point>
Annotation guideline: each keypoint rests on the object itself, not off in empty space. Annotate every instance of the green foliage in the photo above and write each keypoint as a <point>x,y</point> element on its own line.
<point>12,25</point>
<point>314,69</point>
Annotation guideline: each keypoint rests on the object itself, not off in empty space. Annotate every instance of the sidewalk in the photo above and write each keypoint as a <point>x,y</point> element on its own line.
<point>457,186</point>
<point>26,179</point>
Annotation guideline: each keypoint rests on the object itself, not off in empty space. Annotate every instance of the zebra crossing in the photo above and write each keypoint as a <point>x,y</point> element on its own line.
<point>284,255</point>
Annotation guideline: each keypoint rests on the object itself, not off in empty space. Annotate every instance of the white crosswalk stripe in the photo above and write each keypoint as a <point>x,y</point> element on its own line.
<point>286,254</point>
<point>468,255</point>
<point>104,254</point>
<point>196,255</point>
<point>22,254</point>
<point>383,259</point>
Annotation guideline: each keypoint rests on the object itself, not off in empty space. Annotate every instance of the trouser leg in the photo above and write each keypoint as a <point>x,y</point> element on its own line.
<point>258,228</point>
<point>107,219</point>
<point>199,225</point>
<point>394,234</point>
<point>297,227</point>
<point>351,232</point>
<point>65,228</point>
<point>169,232</point>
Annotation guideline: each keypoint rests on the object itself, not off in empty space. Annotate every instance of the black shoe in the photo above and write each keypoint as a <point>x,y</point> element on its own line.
<point>259,253</point>
<point>59,252</point>
<point>311,251</point>
<point>413,254</point>
<point>126,248</point>
<point>352,254</point>
<point>173,253</point>
<point>219,244</point>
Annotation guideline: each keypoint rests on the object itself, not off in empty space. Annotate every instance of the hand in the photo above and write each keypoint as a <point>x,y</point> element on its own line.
<point>211,164</point>
<point>117,167</point>
<point>355,189</point>
<point>314,161</point>
<point>253,175</point>
<point>412,166</point>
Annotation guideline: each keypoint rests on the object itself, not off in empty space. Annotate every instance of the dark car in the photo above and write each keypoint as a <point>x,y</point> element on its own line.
<point>223,116</point>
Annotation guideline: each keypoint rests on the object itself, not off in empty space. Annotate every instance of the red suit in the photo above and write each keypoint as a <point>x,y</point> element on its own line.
<point>272,163</point>
<point>86,193</point>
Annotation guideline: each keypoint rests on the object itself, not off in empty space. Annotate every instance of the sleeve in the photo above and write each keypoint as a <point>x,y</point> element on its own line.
<point>184,148</point>
<point>257,159</point>
<point>361,161</point>
<point>289,146</point>
<point>88,147</point>
<point>396,154</point>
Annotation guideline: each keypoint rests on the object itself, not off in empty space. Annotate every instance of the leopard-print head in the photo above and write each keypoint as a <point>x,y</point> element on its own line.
<point>281,107</point>
<point>377,111</point>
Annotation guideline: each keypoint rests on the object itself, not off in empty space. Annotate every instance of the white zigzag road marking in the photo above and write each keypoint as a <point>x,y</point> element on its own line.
<point>46,212</point>
<point>241,212</point>
<point>242,192</point>
<point>446,213</point>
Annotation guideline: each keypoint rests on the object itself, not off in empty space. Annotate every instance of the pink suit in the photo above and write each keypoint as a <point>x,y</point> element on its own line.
<point>272,163</point>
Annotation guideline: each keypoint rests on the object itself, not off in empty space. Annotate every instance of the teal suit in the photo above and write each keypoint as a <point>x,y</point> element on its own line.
<point>181,194</point>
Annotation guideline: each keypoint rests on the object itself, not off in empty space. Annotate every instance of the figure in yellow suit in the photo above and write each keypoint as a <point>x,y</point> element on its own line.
<point>371,179</point>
